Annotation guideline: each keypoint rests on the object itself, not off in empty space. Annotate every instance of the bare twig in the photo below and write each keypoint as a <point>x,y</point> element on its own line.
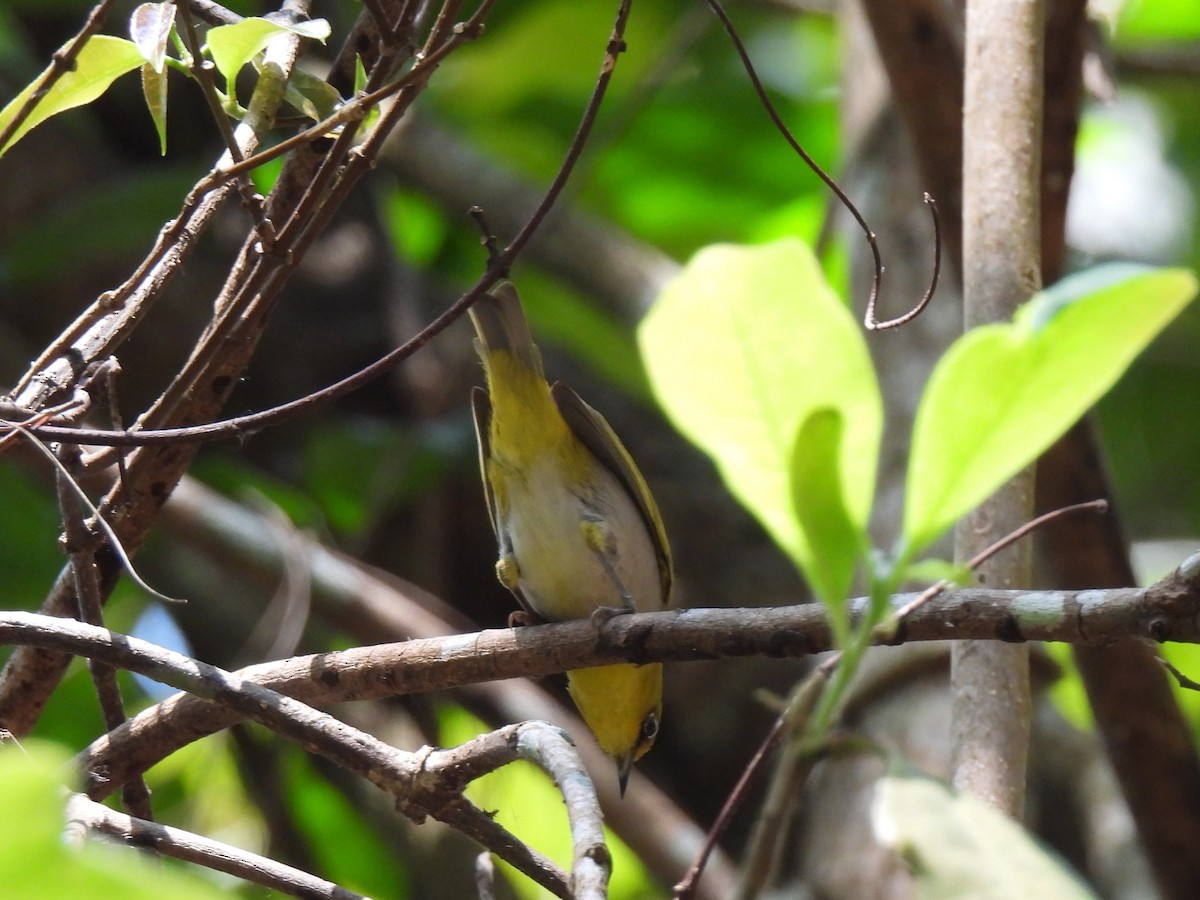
<point>869,321</point>
<point>485,877</point>
<point>68,485</point>
<point>1182,680</point>
<point>81,545</point>
<point>244,424</point>
<point>202,71</point>
<point>776,119</point>
<point>85,815</point>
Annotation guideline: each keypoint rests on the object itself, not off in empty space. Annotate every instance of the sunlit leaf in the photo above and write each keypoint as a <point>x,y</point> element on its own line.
<point>150,27</point>
<point>1003,393</point>
<point>102,61</point>
<point>820,508</point>
<point>232,46</point>
<point>741,349</point>
<point>957,846</point>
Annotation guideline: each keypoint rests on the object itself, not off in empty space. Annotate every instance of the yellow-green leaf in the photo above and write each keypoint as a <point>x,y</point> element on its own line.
<point>820,507</point>
<point>232,46</point>
<point>102,61</point>
<point>1003,393</point>
<point>742,348</point>
<point>154,89</point>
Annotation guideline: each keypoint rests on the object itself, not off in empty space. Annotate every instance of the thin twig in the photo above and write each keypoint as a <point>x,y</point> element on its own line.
<point>202,70</point>
<point>113,542</point>
<point>81,545</point>
<point>869,319</point>
<point>1182,680</point>
<point>415,780</point>
<point>87,815</point>
<point>776,119</point>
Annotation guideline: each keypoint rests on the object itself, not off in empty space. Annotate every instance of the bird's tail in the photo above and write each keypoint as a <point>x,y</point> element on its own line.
<point>500,325</point>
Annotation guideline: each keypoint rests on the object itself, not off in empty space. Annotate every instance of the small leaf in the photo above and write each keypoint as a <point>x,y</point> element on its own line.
<point>150,27</point>
<point>820,508</point>
<point>931,571</point>
<point>102,61</point>
<point>957,846</point>
<point>313,29</point>
<point>1003,393</point>
<point>741,348</point>
<point>154,88</point>
<point>360,84</point>
<point>232,46</point>
<point>312,96</point>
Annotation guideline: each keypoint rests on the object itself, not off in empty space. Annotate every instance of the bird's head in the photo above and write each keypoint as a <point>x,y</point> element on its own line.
<point>622,705</point>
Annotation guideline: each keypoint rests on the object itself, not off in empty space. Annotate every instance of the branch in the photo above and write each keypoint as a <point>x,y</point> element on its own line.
<point>30,676</point>
<point>1164,611</point>
<point>372,606</point>
<point>198,393</point>
<point>1002,126</point>
<point>88,815</point>
<point>418,781</point>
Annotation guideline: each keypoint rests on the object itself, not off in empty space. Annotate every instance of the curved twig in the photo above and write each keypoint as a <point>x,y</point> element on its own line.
<point>843,198</point>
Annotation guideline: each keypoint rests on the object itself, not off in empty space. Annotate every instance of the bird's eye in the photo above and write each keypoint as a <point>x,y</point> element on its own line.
<point>649,729</point>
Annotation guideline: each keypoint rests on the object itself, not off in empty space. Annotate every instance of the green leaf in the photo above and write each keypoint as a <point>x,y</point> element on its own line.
<point>742,348</point>
<point>820,508</point>
<point>314,97</point>
<point>150,27</point>
<point>232,46</point>
<point>102,61</point>
<point>360,84</point>
<point>1003,393</point>
<point>154,88</point>
<point>931,571</point>
<point>312,29</point>
<point>957,846</point>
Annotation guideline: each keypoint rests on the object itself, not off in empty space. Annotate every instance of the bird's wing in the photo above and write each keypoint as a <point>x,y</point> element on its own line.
<point>597,435</point>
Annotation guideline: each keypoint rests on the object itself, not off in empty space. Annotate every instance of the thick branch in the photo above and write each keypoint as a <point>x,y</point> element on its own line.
<point>1002,126</point>
<point>1165,611</point>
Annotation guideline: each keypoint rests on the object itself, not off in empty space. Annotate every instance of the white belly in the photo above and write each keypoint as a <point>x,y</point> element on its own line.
<point>561,575</point>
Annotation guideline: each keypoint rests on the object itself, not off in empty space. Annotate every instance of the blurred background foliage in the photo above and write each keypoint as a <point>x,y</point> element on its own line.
<point>682,156</point>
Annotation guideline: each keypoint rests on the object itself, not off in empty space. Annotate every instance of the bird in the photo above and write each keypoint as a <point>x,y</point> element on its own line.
<point>579,533</point>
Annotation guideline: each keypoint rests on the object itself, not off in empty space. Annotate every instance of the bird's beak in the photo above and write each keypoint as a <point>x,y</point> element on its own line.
<point>624,767</point>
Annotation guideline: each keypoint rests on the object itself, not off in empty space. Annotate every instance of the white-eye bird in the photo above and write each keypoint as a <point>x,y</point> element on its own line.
<point>577,527</point>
